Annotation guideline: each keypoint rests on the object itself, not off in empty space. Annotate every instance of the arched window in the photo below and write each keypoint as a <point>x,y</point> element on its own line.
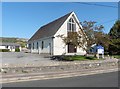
<point>71,26</point>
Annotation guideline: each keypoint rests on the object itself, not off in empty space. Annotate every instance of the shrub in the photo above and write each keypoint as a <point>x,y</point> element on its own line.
<point>106,53</point>
<point>4,50</point>
<point>17,50</point>
<point>73,58</point>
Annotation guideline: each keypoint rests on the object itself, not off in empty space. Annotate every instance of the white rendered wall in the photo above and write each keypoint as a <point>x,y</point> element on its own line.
<point>2,47</point>
<point>59,45</point>
<point>46,48</point>
<point>80,51</point>
<point>35,50</point>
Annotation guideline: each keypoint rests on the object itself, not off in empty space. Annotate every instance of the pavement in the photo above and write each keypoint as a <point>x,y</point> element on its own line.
<point>56,73</point>
<point>100,80</point>
<point>23,70</point>
<point>52,75</point>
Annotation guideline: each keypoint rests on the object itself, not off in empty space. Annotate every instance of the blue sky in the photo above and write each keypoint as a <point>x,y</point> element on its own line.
<point>22,19</point>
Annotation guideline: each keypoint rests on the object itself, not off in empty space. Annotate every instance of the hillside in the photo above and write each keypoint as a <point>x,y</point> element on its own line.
<point>21,41</point>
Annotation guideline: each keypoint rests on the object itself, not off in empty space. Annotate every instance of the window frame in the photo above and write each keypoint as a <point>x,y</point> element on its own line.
<point>29,46</point>
<point>33,46</point>
<point>71,25</point>
<point>42,45</point>
<point>37,45</point>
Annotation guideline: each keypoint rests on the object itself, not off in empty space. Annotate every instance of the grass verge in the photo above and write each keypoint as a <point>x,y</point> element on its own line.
<point>117,56</point>
<point>78,57</point>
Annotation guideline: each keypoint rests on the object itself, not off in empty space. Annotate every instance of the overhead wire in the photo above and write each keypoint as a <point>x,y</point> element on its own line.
<point>85,3</point>
<point>106,22</point>
<point>97,4</point>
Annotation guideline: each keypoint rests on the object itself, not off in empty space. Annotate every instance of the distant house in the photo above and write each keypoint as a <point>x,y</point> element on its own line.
<point>45,40</point>
<point>93,49</point>
<point>10,46</point>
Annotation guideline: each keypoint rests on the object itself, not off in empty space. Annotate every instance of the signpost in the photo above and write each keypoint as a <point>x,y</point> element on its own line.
<point>100,50</point>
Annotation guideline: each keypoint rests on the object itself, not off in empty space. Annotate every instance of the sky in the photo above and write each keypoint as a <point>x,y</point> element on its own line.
<point>119,10</point>
<point>23,19</point>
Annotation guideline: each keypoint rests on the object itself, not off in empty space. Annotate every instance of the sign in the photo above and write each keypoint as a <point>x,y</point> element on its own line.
<point>100,49</point>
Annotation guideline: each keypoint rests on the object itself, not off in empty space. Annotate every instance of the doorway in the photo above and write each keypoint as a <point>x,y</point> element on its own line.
<point>72,48</point>
<point>50,48</point>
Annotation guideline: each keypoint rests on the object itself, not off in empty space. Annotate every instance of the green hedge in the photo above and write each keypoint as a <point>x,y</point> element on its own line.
<point>4,50</point>
<point>17,50</point>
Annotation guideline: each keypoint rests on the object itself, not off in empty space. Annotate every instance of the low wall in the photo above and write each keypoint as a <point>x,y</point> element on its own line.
<point>63,66</point>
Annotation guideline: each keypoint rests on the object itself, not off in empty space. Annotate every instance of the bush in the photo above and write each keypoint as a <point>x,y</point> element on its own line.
<point>106,53</point>
<point>72,58</point>
<point>17,50</point>
<point>4,50</point>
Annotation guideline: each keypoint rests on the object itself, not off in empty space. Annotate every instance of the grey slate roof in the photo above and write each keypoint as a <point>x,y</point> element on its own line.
<point>49,29</point>
<point>9,44</point>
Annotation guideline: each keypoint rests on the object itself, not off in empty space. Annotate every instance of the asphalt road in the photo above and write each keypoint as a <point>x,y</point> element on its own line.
<point>96,80</point>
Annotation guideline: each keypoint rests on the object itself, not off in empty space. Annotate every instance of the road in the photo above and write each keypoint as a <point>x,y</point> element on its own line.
<point>96,80</point>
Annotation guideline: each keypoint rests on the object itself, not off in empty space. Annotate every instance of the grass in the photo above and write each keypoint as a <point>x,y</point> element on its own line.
<point>4,50</point>
<point>78,57</point>
<point>117,56</point>
<point>17,50</point>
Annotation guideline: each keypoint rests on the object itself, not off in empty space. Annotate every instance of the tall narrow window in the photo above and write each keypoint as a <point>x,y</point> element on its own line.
<point>29,46</point>
<point>33,45</point>
<point>7,46</point>
<point>37,45</point>
<point>71,26</point>
<point>42,44</point>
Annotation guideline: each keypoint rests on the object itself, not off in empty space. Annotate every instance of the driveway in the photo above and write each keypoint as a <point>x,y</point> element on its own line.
<point>21,58</point>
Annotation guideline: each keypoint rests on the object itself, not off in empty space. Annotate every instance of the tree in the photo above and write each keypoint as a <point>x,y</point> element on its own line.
<point>86,37</point>
<point>77,39</point>
<point>93,32</point>
<point>102,39</point>
<point>114,47</point>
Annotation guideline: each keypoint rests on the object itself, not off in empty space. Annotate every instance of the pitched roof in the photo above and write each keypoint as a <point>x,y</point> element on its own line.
<point>49,29</point>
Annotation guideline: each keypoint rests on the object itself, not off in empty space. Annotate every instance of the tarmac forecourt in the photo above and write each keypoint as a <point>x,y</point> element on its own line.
<point>62,70</point>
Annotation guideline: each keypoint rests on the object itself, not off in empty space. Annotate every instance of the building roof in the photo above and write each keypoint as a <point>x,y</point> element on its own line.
<point>49,29</point>
<point>10,44</point>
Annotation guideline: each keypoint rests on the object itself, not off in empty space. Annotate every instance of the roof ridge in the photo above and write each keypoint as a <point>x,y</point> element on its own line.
<point>57,19</point>
<point>49,29</point>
